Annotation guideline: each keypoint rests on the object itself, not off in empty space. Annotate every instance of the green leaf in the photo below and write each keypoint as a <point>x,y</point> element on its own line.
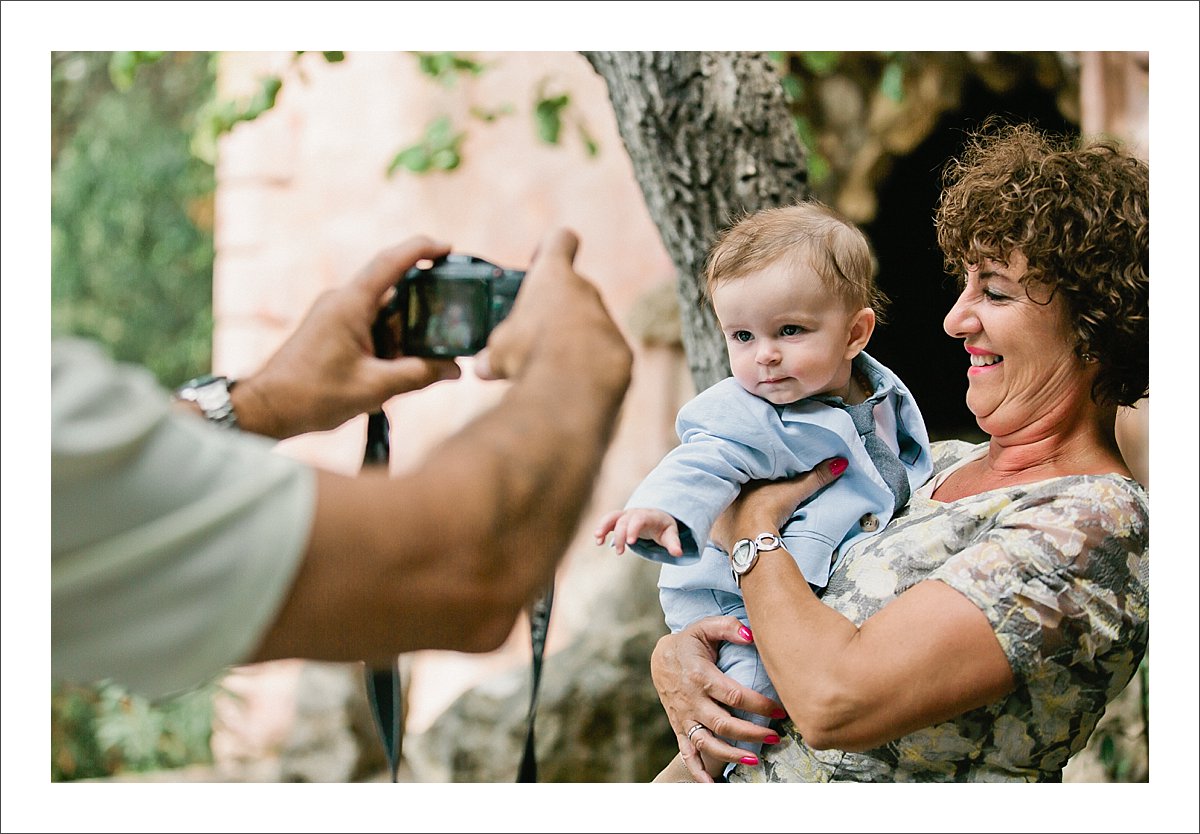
<point>804,132</point>
<point>264,98</point>
<point>444,66</point>
<point>820,63</point>
<point>1108,751</point>
<point>445,159</point>
<point>439,131</point>
<point>590,146</point>
<point>892,82</point>
<point>122,67</point>
<point>818,168</point>
<point>547,114</point>
<point>414,158</point>
<point>437,150</point>
<point>793,87</point>
<point>334,57</point>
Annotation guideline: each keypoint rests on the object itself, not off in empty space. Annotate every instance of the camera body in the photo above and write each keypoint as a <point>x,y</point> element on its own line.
<point>447,309</point>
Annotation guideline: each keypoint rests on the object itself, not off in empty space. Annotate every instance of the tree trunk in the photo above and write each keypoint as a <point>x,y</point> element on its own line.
<point>710,138</point>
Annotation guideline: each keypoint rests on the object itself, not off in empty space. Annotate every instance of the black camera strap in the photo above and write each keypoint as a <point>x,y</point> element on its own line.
<point>539,623</point>
<point>385,686</point>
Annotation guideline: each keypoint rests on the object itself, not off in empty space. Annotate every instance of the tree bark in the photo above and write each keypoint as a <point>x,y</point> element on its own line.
<point>711,139</point>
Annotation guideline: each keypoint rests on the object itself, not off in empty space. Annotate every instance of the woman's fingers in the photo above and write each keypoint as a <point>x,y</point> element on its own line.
<point>765,504</point>
<point>695,692</point>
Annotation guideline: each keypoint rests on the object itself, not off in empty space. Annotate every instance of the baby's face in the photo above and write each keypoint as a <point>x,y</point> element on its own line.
<point>787,336</point>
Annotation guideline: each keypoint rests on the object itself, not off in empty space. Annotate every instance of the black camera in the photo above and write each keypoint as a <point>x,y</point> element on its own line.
<point>446,309</point>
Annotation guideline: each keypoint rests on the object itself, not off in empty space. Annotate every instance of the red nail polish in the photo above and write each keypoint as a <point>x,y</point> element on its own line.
<point>746,633</point>
<point>750,760</point>
<point>779,714</point>
<point>838,466</point>
<point>771,739</point>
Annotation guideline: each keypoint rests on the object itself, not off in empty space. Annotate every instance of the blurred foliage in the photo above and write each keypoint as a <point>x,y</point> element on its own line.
<point>1124,750</point>
<point>131,210</point>
<point>103,730</point>
<point>445,67</point>
<point>131,257</point>
<point>438,150</point>
<point>798,73</point>
<point>218,116</point>
<point>440,147</point>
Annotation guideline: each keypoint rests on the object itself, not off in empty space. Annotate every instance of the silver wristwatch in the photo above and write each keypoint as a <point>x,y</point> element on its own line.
<point>745,553</point>
<point>211,393</point>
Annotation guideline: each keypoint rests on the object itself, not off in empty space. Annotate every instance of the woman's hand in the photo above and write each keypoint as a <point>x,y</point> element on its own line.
<point>683,666</point>
<point>764,506</point>
<point>694,691</point>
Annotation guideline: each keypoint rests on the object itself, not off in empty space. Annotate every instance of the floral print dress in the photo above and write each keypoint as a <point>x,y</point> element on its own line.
<point>1061,570</point>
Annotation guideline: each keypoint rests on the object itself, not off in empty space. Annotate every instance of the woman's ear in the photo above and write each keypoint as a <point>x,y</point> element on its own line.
<point>862,325</point>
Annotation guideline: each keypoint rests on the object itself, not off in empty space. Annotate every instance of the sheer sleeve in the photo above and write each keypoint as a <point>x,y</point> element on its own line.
<point>1061,572</point>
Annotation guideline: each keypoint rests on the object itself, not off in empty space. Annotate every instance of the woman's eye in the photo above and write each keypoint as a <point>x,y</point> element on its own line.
<point>791,330</point>
<point>994,296</point>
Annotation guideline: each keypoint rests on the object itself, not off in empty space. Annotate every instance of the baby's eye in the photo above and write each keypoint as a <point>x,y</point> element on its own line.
<point>791,330</point>
<point>742,336</point>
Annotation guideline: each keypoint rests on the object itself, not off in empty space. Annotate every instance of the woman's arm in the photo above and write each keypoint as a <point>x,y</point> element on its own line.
<point>928,656</point>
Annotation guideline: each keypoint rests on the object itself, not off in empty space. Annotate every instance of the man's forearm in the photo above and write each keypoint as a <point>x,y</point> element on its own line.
<point>444,556</point>
<point>523,472</point>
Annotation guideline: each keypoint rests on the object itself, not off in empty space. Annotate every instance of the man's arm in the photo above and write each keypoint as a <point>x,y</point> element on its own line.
<point>446,556</point>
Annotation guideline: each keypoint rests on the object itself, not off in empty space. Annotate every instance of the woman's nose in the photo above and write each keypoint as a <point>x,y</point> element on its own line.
<point>961,320</point>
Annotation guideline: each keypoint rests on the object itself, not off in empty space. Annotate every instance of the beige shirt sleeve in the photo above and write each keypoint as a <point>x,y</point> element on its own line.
<point>173,543</point>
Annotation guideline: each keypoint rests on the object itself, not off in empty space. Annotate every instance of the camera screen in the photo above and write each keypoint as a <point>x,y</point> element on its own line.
<point>447,317</point>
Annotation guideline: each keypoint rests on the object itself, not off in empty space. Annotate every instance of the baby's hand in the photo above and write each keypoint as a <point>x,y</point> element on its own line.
<point>627,526</point>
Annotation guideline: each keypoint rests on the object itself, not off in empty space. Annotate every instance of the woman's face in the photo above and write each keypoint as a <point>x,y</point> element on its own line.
<point>1024,373</point>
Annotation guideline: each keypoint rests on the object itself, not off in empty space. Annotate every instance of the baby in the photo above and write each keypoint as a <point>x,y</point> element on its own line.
<point>794,292</point>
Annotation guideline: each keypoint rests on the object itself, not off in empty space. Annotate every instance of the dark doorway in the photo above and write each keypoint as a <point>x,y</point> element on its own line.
<point>912,343</point>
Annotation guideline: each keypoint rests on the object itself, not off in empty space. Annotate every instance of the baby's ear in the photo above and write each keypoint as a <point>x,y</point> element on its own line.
<point>859,330</point>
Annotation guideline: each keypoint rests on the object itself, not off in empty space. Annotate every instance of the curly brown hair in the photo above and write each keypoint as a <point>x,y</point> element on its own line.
<point>1081,215</point>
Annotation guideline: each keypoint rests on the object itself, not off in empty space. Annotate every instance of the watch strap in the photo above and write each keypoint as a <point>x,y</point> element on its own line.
<point>211,394</point>
<point>762,543</point>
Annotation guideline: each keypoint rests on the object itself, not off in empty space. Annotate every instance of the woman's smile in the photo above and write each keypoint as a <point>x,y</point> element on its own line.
<point>982,360</point>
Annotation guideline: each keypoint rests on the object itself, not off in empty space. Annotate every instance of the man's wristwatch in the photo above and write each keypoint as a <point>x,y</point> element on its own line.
<point>211,393</point>
<point>745,553</point>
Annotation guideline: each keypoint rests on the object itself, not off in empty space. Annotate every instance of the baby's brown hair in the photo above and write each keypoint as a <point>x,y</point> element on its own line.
<point>809,233</point>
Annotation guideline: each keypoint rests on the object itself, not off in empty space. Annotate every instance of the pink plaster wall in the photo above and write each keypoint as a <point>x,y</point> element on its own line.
<point>303,201</point>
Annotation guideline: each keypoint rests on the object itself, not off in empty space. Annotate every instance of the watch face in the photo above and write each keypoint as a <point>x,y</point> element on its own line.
<point>742,556</point>
<point>212,394</point>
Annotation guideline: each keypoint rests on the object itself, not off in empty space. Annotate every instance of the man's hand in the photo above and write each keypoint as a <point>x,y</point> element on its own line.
<point>326,372</point>
<point>559,313</point>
